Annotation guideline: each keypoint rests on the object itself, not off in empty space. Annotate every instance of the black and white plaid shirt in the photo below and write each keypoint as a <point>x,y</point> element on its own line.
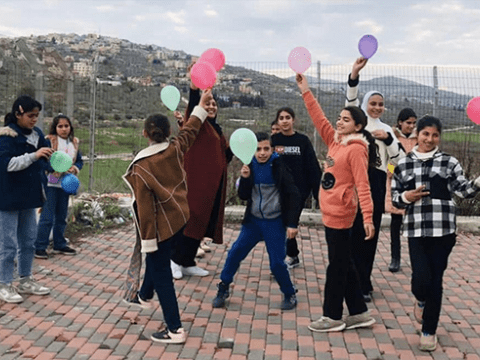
<point>434,214</point>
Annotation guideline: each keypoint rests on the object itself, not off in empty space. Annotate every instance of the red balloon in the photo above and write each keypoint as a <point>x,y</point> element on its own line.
<point>203,75</point>
<point>213,56</point>
<point>473,110</point>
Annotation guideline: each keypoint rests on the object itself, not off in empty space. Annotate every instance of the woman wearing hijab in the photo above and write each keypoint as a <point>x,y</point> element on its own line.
<point>207,184</point>
<point>389,151</point>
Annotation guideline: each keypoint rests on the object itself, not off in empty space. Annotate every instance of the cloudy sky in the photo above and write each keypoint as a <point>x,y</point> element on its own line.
<point>422,32</point>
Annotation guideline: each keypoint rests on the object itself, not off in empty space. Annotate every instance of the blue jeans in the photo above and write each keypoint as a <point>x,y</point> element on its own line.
<point>342,278</point>
<point>17,239</point>
<point>273,232</point>
<point>429,259</point>
<point>158,277</point>
<point>54,213</point>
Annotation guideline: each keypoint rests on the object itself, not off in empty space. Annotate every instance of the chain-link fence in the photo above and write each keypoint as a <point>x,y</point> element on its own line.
<point>248,94</point>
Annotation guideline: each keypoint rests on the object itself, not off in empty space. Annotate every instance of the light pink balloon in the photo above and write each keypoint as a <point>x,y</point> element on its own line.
<point>473,110</point>
<point>203,75</point>
<point>299,59</point>
<point>213,56</point>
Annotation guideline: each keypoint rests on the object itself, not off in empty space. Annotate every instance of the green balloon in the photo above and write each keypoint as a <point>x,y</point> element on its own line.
<point>243,143</point>
<point>170,97</point>
<point>60,161</point>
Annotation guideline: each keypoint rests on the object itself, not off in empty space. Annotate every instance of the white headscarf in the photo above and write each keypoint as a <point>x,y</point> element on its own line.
<point>367,96</point>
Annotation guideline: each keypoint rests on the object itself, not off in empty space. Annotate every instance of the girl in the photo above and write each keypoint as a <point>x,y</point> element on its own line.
<point>350,151</point>
<point>405,133</point>
<point>159,186</point>
<point>23,160</point>
<point>207,181</point>
<point>298,153</point>
<point>54,212</point>
<point>389,150</point>
<point>423,183</point>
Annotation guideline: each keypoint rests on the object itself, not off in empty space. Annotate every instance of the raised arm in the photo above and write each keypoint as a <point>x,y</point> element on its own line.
<point>323,126</point>
<point>353,80</point>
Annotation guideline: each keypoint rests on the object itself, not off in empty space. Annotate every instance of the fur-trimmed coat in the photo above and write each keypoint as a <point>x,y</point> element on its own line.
<point>345,178</point>
<point>408,144</point>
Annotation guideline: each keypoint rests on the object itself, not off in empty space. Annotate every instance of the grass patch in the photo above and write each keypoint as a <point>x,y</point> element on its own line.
<point>107,176</point>
<point>461,137</point>
<point>112,140</point>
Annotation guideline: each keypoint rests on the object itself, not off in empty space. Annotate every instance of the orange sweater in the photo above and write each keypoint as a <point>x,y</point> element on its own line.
<point>345,179</point>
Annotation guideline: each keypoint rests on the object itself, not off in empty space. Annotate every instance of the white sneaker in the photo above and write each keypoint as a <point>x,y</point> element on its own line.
<point>176,270</point>
<point>28,285</point>
<point>194,271</point>
<point>9,294</point>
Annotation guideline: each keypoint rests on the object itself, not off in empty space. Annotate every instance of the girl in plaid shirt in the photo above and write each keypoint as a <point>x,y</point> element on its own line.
<point>423,184</point>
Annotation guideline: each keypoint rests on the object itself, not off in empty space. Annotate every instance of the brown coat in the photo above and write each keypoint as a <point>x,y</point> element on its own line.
<point>159,186</point>
<point>408,144</point>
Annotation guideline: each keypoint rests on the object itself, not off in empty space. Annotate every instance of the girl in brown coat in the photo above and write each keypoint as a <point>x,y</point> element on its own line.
<point>159,186</point>
<point>406,134</point>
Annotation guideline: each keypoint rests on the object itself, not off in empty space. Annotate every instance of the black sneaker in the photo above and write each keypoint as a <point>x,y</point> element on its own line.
<point>138,302</point>
<point>289,302</point>
<point>67,250</point>
<point>170,337</point>
<point>222,294</point>
<point>41,254</point>
<point>293,262</point>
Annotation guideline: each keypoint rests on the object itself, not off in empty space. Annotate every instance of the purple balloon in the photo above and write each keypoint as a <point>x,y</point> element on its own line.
<point>368,46</point>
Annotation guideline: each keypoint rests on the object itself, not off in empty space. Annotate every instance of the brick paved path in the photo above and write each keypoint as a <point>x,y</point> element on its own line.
<point>84,317</point>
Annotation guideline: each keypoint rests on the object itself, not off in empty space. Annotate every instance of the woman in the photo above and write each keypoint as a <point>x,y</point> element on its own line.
<point>423,183</point>
<point>207,181</point>
<point>351,150</point>
<point>389,150</point>
<point>406,134</point>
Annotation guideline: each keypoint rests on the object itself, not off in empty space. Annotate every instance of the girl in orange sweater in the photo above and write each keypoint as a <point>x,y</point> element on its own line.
<point>345,183</point>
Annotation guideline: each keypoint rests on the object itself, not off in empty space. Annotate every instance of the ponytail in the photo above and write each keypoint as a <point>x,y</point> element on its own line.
<point>373,157</point>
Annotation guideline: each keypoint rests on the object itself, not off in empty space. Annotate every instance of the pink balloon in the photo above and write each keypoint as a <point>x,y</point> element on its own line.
<point>473,110</point>
<point>203,75</point>
<point>299,59</point>
<point>213,56</point>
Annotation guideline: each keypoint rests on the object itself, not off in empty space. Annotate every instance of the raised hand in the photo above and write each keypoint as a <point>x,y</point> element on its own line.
<point>189,69</point>
<point>302,83</point>
<point>206,97</point>
<point>358,65</point>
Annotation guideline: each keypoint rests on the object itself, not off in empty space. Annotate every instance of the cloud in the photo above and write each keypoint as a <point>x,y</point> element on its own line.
<point>105,8</point>
<point>180,29</point>
<point>370,25</point>
<point>176,17</point>
<point>211,13</point>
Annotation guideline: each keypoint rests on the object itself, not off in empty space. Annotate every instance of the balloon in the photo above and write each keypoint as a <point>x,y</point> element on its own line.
<point>213,56</point>
<point>391,168</point>
<point>70,184</point>
<point>60,161</point>
<point>299,59</point>
<point>368,46</point>
<point>243,143</point>
<point>473,110</point>
<point>203,75</point>
<point>170,97</point>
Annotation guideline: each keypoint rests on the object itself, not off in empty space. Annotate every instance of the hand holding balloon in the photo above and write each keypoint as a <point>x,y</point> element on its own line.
<point>358,65</point>
<point>44,152</point>
<point>206,97</point>
<point>243,143</point>
<point>302,83</point>
<point>189,75</point>
<point>368,46</point>
<point>245,171</point>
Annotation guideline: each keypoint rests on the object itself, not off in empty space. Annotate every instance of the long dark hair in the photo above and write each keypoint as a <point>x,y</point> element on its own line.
<point>56,120</point>
<point>404,115</point>
<point>360,118</point>
<point>286,109</point>
<point>23,104</point>
<point>157,127</point>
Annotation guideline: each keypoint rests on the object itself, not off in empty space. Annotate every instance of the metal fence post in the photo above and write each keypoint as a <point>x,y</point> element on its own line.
<point>40,97</point>
<point>70,97</point>
<point>92,122</point>
<point>435,87</point>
